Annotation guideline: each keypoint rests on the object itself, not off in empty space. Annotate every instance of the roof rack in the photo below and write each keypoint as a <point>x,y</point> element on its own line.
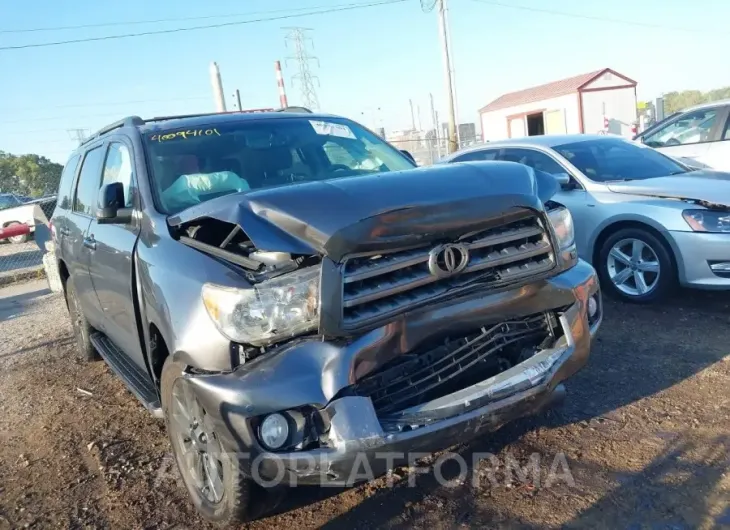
<point>129,121</point>
<point>294,109</point>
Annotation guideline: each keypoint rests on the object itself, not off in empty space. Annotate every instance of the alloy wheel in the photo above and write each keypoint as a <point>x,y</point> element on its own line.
<point>198,444</point>
<point>633,267</point>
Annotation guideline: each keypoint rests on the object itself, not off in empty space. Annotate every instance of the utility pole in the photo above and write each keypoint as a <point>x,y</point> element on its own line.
<point>298,37</point>
<point>435,124</point>
<point>452,143</point>
<point>413,116</point>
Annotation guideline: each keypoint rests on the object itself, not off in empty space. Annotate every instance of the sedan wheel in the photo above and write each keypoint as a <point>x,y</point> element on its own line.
<point>633,267</point>
<point>633,264</point>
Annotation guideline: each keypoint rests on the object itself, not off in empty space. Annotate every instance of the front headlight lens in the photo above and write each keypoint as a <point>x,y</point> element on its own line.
<point>707,220</point>
<point>562,223</point>
<point>272,310</point>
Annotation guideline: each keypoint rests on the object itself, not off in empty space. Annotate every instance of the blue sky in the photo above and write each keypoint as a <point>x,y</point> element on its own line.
<point>371,58</point>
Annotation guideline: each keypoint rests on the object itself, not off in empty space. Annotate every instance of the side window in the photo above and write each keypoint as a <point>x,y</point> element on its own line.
<point>477,156</point>
<point>118,168</point>
<point>690,128</point>
<point>87,189</point>
<point>6,201</point>
<point>726,134</point>
<point>354,156</point>
<point>534,159</point>
<point>337,154</point>
<point>67,179</point>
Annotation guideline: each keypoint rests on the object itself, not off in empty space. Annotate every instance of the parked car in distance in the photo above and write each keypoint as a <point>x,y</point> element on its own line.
<point>14,210</point>
<point>645,220</point>
<point>699,133</point>
<point>289,315</point>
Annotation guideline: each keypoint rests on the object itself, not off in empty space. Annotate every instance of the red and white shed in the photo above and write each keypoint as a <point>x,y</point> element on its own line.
<point>600,101</point>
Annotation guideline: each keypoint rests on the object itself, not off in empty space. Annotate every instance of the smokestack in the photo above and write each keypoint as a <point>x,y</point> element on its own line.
<point>217,84</point>
<point>280,83</point>
<point>413,116</point>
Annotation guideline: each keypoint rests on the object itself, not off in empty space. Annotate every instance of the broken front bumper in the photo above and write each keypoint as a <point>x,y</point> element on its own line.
<point>314,373</point>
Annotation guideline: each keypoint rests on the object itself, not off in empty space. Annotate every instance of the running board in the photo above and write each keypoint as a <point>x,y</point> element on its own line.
<point>136,380</point>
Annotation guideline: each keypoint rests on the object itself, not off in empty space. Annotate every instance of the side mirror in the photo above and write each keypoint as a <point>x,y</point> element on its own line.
<point>408,155</point>
<point>111,208</point>
<point>564,180</point>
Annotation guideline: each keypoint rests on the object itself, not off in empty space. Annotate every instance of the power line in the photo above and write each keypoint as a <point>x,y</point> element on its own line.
<point>113,103</point>
<point>160,20</point>
<point>196,28</point>
<point>303,58</point>
<point>591,17</point>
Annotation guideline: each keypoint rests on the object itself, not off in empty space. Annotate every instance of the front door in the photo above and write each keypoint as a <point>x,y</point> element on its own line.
<point>77,249</point>
<point>112,267</point>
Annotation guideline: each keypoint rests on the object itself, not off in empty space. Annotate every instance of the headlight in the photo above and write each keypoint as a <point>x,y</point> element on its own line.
<point>562,223</point>
<point>707,220</point>
<point>272,310</point>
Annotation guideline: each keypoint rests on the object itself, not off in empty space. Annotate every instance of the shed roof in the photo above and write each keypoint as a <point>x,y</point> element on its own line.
<point>548,90</point>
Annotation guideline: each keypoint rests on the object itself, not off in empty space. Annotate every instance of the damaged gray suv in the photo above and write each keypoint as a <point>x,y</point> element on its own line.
<point>295,297</point>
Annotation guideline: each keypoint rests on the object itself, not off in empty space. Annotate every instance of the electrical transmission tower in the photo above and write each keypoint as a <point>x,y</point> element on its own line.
<point>78,134</point>
<point>298,37</point>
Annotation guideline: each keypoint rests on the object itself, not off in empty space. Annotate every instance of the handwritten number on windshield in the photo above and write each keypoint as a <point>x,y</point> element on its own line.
<point>184,135</point>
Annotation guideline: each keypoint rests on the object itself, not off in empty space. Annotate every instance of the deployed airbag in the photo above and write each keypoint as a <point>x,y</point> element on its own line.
<point>188,190</point>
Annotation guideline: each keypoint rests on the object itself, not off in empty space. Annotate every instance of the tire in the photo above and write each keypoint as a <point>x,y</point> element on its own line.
<point>81,328</point>
<point>239,499</point>
<point>17,240</point>
<point>613,266</point>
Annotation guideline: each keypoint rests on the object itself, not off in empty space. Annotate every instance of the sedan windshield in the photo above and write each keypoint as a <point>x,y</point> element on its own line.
<point>611,159</point>
<point>196,164</point>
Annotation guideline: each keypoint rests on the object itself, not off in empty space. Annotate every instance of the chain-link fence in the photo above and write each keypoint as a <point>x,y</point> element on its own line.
<point>429,150</point>
<point>21,254</point>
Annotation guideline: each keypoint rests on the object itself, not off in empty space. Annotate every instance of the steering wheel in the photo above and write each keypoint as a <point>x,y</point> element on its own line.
<point>672,141</point>
<point>339,167</point>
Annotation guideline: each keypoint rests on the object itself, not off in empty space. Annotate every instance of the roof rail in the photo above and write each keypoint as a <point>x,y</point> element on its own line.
<point>129,121</point>
<point>294,109</point>
<point>183,116</point>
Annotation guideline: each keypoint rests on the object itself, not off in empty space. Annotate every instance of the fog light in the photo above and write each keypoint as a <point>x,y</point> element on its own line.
<point>592,307</point>
<point>274,431</point>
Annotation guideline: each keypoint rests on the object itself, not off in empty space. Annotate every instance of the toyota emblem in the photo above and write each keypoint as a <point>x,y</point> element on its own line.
<point>447,260</point>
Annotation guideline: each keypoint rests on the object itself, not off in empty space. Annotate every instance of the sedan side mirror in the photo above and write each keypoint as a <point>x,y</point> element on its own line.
<point>564,180</point>
<point>111,205</point>
<point>408,155</point>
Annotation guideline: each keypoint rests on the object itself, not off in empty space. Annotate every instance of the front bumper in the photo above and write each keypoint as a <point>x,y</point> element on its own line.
<point>696,254</point>
<point>313,373</point>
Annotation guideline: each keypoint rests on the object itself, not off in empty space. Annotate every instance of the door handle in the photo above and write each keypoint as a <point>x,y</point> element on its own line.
<point>90,242</point>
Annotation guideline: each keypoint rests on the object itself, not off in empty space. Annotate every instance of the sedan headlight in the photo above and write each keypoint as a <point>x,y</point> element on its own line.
<point>707,220</point>
<point>562,223</point>
<point>272,310</point>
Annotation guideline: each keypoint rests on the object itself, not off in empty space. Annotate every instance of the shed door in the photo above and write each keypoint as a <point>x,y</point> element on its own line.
<point>555,122</point>
<point>517,127</point>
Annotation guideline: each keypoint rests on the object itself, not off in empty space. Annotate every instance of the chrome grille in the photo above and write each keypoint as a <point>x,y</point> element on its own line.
<point>377,286</point>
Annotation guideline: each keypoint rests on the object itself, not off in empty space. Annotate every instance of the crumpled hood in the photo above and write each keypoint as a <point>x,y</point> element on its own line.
<point>378,212</point>
<point>706,187</point>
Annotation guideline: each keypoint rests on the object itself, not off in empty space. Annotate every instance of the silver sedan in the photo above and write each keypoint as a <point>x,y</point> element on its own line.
<point>645,221</point>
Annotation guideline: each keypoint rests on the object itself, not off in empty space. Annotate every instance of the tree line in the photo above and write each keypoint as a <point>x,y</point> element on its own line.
<point>29,175</point>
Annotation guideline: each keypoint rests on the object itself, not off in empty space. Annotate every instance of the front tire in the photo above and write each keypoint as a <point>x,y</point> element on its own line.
<point>218,487</point>
<point>635,266</point>
<point>81,328</point>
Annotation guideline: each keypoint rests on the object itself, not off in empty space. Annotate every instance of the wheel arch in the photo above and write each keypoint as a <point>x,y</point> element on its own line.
<point>613,225</point>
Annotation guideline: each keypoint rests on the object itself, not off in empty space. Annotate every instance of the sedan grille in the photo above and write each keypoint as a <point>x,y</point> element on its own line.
<point>422,376</point>
<point>381,285</point>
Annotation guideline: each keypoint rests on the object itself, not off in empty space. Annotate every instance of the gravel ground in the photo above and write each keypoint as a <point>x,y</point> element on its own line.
<point>645,434</point>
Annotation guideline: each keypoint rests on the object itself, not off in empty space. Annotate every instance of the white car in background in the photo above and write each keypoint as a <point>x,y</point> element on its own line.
<point>699,134</point>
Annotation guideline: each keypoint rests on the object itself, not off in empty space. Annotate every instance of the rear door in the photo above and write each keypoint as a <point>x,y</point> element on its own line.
<point>112,264</point>
<point>718,155</point>
<point>63,203</point>
<point>77,249</point>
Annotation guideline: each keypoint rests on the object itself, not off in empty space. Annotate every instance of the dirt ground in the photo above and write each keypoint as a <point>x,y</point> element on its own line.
<point>645,433</point>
